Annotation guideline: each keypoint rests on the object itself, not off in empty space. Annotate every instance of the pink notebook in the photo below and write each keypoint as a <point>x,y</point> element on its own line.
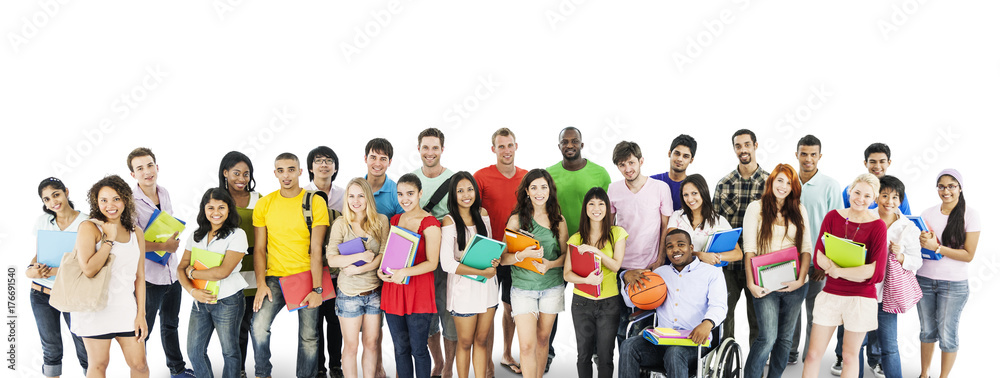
<point>787,254</point>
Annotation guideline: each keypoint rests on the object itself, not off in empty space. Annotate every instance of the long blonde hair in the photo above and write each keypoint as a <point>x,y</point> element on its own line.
<point>372,222</point>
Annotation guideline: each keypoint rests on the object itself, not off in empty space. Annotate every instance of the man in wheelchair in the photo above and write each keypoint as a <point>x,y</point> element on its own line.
<point>696,301</point>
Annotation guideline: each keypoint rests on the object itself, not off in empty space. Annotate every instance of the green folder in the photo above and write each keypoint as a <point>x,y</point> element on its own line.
<point>844,252</point>
<point>201,260</point>
<point>479,254</point>
<point>160,228</point>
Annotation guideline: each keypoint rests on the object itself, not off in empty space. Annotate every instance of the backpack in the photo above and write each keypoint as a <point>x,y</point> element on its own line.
<point>307,213</point>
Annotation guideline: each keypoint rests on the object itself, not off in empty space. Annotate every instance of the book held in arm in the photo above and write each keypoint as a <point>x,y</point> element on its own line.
<point>297,286</point>
<point>479,254</point>
<point>845,253</point>
<point>925,253</point>
<point>52,245</point>
<point>161,227</point>
<point>518,241</point>
<point>400,250</point>
<point>201,260</point>
<point>790,254</point>
<point>353,247</point>
<point>723,241</point>
<point>584,264</point>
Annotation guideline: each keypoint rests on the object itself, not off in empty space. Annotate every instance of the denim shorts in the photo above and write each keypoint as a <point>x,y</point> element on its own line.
<point>461,315</point>
<point>940,309</point>
<point>547,301</point>
<point>352,306</point>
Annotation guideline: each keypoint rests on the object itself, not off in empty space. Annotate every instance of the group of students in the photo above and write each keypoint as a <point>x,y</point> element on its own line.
<point>639,224</point>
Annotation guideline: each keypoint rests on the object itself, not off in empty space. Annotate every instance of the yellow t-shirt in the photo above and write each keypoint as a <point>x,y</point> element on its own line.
<point>609,288</point>
<point>287,236</point>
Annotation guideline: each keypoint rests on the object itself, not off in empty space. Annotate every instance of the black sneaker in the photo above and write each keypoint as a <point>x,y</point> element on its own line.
<point>336,372</point>
<point>548,364</point>
<point>793,358</point>
<point>837,366</point>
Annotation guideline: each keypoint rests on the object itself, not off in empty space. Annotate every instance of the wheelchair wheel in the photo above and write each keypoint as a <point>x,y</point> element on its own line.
<point>731,362</point>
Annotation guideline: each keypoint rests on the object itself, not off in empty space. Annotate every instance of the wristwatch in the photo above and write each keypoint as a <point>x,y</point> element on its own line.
<point>318,290</point>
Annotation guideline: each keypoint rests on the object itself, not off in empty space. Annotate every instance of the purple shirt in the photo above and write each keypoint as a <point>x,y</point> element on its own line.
<point>696,293</point>
<point>155,273</point>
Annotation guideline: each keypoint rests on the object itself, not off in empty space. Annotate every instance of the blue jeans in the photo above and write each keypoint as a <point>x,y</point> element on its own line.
<point>224,317</point>
<point>940,309</point>
<point>409,340</point>
<point>890,348</point>
<point>676,361</point>
<point>50,333</point>
<point>166,299</point>
<point>776,315</point>
<point>307,359</point>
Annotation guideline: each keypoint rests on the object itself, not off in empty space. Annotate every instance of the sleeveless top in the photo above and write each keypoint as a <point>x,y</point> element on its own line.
<point>119,315</point>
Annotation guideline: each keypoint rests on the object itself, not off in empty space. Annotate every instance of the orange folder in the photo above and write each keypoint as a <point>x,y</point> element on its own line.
<point>518,241</point>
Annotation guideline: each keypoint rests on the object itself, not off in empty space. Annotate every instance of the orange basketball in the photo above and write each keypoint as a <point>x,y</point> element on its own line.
<point>650,297</point>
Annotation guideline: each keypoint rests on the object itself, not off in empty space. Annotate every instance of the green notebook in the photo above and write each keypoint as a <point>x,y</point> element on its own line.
<point>843,252</point>
<point>201,260</point>
<point>480,252</point>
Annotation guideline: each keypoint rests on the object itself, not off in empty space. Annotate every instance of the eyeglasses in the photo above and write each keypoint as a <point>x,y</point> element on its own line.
<point>323,161</point>
<point>949,187</point>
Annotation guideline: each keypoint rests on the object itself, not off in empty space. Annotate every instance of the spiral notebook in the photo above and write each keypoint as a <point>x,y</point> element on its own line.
<point>772,276</point>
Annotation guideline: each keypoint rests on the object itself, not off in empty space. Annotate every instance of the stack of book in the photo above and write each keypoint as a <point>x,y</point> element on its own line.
<point>584,264</point>
<point>400,250</point>
<point>723,241</point>
<point>480,253</point>
<point>670,336</point>
<point>161,227</point>
<point>846,253</point>
<point>772,269</point>
<point>518,241</point>
<point>202,260</point>
<point>925,253</point>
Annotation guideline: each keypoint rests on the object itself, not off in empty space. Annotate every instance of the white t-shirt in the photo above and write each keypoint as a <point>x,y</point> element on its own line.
<point>46,222</point>
<point>699,236</point>
<point>237,242</point>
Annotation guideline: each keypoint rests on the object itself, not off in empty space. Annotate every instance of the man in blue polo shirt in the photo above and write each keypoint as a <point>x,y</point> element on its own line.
<point>378,157</point>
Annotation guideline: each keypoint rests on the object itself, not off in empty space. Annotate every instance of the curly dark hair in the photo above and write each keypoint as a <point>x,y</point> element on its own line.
<point>119,186</point>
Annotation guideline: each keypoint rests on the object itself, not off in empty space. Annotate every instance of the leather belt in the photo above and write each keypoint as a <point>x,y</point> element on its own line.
<point>40,288</point>
<point>369,292</point>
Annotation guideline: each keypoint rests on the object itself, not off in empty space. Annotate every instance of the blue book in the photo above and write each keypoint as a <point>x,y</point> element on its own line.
<point>723,241</point>
<point>925,253</point>
<point>52,245</point>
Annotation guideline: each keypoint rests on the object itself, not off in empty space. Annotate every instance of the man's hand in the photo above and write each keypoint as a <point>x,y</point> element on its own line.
<point>702,332</point>
<point>634,276</point>
<point>313,300</point>
<point>173,243</point>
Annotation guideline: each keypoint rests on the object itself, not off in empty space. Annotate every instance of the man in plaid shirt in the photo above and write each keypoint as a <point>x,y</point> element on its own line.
<point>732,195</point>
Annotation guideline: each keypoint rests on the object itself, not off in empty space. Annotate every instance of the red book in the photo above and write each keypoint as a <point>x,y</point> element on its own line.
<point>584,264</point>
<point>295,288</point>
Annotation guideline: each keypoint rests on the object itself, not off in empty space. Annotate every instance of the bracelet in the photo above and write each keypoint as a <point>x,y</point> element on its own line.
<point>190,272</point>
<point>517,259</point>
<point>938,250</point>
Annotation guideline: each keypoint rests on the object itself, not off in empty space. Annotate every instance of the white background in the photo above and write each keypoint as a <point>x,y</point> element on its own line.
<point>84,83</point>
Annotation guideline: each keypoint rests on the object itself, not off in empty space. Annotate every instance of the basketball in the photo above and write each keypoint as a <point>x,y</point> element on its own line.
<point>650,297</point>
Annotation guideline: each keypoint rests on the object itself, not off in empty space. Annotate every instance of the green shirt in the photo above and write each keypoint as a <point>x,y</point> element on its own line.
<point>431,185</point>
<point>528,280</point>
<point>571,186</point>
<point>609,287</point>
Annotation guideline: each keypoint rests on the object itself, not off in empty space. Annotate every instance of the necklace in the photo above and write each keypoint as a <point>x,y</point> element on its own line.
<point>847,224</point>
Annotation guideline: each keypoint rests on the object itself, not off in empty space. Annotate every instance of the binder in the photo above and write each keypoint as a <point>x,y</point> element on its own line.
<point>518,241</point>
<point>771,276</point>
<point>784,255</point>
<point>723,241</point>
<point>160,228</point>
<point>295,287</point>
<point>479,254</point>
<point>670,336</point>
<point>583,265</point>
<point>202,260</point>
<point>925,253</point>
<point>52,245</point>
<point>400,250</point>
<point>843,252</point>
<point>352,247</point>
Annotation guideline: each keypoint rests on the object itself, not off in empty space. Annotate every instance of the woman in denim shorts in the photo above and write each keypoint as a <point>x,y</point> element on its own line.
<point>358,295</point>
<point>537,298</point>
<point>472,303</point>
<point>954,235</point>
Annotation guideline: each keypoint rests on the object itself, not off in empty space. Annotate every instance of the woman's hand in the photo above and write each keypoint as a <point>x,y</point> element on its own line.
<point>542,266</point>
<point>40,270</point>
<point>929,241</point>
<point>594,278</point>
<point>709,257</point>
<point>203,296</point>
<point>367,256</point>
<point>110,233</point>
<point>489,272</point>
<point>897,250</point>
<point>382,276</point>
<point>757,291</point>
<point>397,277</point>
<point>141,329</point>
<point>793,285</point>
<point>350,270</point>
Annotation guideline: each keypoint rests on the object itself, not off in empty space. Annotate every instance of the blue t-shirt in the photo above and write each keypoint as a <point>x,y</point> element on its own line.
<point>675,188</point>
<point>903,206</point>
<point>385,199</point>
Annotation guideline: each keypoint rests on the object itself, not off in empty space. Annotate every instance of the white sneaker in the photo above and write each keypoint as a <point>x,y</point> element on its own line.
<point>877,370</point>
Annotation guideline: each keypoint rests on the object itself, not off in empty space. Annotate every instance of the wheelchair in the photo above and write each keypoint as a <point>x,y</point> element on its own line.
<point>722,359</point>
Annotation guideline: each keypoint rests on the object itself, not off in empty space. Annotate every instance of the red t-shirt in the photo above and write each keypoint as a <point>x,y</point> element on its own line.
<point>872,235</point>
<point>499,195</point>
<point>417,297</point>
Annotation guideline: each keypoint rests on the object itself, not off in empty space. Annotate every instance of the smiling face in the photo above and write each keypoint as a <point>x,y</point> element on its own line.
<point>465,193</point>
<point>570,144</point>
<point>504,147</point>
<point>408,196</point>
<point>679,250</point>
<point>691,197</point>
<point>888,201</point>
<point>948,189</point>
<point>877,164</point>
<point>630,168</point>
<point>596,208</point>
<point>680,158</point>
<point>216,211</point>
<point>808,158</point>
<point>862,196</point>
<point>377,162</point>
<point>538,191</point>
<point>782,186</point>
<point>55,199</point>
<point>323,167</point>
<point>144,170</point>
<point>238,177</point>
<point>110,203</point>
<point>430,151</point>
<point>287,171</point>
<point>745,148</point>
<point>356,200</point>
